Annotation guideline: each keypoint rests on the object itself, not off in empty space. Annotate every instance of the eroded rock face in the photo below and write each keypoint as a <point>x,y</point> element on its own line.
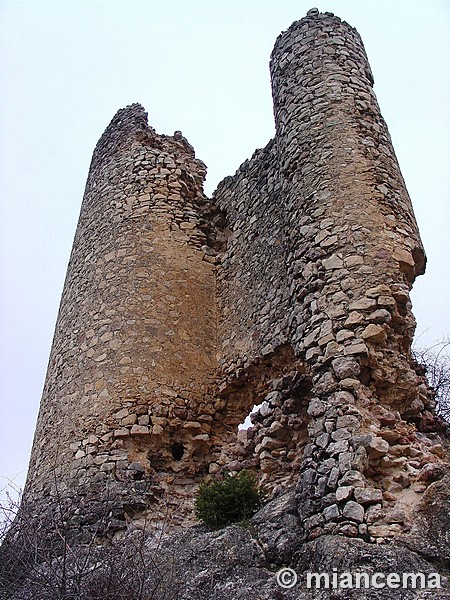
<point>430,534</point>
<point>288,290</point>
<point>242,562</point>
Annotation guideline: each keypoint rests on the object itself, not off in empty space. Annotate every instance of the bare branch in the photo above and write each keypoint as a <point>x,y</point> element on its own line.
<point>436,361</point>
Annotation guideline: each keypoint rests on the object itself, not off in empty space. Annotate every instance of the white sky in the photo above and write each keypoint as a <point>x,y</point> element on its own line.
<point>200,66</point>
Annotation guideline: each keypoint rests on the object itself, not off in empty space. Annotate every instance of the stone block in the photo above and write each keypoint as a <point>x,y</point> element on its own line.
<point>353,478</point>
<point>354,318</point>
<point>316,407</point>
<point>363,304</point>
<point>139,430</point>
<point>122,432</point>
<point>385,530</point>
<point>377,447</point>
<point>346,366</point>
<point>331,513</point>
<point>365,495</point>
<point>356,348</point>
<point>344,492</point>
<point>374,333</point>
<point>353,511</point>
<point>334,262</point>
<point>338,447</point>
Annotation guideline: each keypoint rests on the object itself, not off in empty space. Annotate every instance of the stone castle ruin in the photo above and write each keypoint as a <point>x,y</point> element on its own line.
<point>288,289</point>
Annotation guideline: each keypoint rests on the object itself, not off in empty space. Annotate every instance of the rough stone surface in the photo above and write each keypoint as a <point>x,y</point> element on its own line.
<point>354,511</point>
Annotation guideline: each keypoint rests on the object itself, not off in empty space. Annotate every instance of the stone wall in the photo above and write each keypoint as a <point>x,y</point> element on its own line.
<point>133,361</point>
<point>323,252</point>
<point>289,289</point>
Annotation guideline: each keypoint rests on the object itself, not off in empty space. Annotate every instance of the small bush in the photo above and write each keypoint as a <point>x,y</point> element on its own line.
<point>230,500</point>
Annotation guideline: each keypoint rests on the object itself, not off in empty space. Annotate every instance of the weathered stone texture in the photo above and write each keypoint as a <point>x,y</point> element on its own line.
<point>134,355</point>
<point>289,290</point>
<point>323,251</point>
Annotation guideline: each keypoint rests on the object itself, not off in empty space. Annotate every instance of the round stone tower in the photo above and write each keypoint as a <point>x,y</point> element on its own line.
<point>350,219</point>
<point>134,352</point>
<point>355,251</point>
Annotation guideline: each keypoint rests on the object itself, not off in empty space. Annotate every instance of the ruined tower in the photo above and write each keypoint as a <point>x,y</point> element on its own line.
<point>288,289</point>
<point>134,355</point>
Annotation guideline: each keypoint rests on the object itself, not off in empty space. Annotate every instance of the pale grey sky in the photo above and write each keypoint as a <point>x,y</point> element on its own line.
<point>200,66</point>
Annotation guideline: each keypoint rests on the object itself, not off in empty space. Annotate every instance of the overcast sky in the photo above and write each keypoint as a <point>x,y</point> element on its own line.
<point>199,66</point>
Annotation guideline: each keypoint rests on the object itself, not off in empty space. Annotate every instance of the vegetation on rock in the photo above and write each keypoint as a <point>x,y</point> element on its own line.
<point>229,500</point>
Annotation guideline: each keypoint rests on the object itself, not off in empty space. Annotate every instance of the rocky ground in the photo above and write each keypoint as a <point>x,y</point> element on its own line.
<point>241,562</point>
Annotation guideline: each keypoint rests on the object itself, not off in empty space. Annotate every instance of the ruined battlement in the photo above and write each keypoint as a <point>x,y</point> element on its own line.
<point>288,289</point>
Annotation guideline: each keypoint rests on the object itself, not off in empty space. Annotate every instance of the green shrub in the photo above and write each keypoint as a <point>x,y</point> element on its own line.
<point>230,500</point>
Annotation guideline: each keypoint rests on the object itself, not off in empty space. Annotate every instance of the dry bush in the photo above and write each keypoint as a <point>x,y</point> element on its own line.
<point>39,560</point>
<point>436,362</point>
